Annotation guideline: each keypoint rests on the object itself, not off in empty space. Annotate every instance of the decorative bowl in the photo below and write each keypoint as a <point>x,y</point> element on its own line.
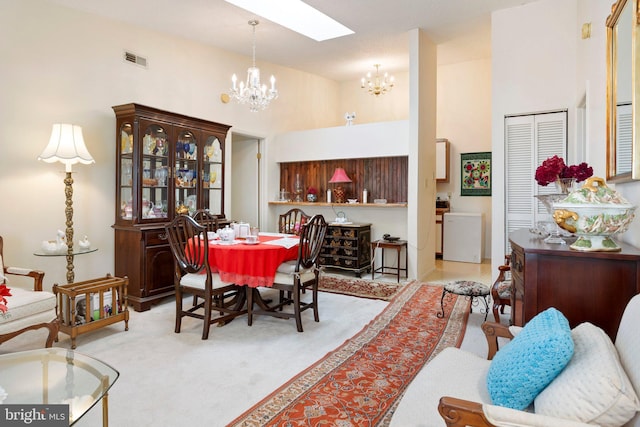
<point>595,213</point>
<point>352,201</point>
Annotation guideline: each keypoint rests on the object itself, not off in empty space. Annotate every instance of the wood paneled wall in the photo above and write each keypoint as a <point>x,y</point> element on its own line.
<point>383,177</point>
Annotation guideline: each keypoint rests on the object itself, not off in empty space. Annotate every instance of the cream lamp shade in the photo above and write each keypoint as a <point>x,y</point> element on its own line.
<point>66,145</point>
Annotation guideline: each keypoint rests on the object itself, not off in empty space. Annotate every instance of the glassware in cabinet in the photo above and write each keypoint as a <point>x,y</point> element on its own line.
<point>186,171</point>
<point>213,175</point>
<point>125,176</point>
<point>155,173</point>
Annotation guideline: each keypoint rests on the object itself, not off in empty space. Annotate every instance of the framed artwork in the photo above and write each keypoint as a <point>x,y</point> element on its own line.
<point>475,177</point>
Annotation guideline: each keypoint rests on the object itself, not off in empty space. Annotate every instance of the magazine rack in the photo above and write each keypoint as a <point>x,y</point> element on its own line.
<point>90,305</point>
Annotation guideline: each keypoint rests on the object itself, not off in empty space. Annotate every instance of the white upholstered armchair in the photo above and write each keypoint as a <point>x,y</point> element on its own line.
<point>28,309</point>
<point>597,387</point>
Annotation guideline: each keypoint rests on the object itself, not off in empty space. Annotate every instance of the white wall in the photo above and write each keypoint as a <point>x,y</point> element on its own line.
<point>62,65</point>
<point>391,106</point>
<point>534,60</point>
<point>592,71</point>
<point>380,139</point>
<point>540,62</point>
<point>244,174</point>
<point>464,117</point>
<point>421,194</point>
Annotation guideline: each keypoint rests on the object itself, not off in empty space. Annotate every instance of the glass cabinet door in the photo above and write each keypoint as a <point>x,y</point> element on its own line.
<point>155,173</point>
<point>186,172</point>
<point>126,172</point>
<point>212,177</point>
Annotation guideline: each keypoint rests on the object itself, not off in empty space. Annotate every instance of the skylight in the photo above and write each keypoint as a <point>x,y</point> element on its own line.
<point>297,16</point>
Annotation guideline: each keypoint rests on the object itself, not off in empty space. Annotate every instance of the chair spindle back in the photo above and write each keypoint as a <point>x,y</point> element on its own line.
<point>291,222</point>
<point>206,219</point>
<point>189,244</point>
<point>312,235</point>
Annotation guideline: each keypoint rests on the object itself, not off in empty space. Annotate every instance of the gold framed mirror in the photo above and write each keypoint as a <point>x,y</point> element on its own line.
<point>623,59</point>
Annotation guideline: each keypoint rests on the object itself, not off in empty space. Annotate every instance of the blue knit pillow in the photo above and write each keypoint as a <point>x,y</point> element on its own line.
<point>525,366</point>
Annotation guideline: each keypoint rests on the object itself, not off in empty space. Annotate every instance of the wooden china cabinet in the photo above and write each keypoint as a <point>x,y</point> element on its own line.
<point>166,163</point>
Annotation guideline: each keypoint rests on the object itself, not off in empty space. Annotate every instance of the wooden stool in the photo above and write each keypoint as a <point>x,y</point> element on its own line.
<point>469,289</point>
<point>385,244</point>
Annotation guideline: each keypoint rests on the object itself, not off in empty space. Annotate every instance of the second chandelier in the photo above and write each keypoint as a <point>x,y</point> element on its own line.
<point>377,85</point>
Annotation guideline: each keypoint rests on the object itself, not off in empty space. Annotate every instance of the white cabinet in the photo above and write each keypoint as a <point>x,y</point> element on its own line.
<point>442,160</point>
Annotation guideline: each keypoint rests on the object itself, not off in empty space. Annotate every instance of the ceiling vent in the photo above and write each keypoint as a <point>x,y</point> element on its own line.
<point>135,59</point>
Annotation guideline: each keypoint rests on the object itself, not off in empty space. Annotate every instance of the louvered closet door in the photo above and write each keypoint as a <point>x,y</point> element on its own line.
<point>529,140</point>
<point>623,138</point>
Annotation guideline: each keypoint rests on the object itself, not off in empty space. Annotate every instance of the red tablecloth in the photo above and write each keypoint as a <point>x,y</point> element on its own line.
<point>253,265</point>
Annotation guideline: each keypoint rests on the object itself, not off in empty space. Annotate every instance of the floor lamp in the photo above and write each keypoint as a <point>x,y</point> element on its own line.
<point>66,145</point>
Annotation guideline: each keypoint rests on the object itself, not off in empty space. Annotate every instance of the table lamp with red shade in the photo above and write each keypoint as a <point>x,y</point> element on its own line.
<point>339,177</point>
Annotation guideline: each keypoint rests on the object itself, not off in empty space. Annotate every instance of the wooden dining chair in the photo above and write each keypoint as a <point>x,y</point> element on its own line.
<point>292,277</point>
<point>207,219</point>
<point>291,222</point>
<point>192,275</point>
<point>210,221</point>
<point>501,289</point>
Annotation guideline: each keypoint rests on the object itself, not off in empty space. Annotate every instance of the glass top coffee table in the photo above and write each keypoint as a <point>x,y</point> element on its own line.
<point>56,376</point>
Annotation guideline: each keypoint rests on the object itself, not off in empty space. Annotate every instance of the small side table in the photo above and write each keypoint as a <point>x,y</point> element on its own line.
<point>385,244</point>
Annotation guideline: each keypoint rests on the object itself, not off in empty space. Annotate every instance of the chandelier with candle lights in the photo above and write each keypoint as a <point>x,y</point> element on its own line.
<point>377,85</point>
<point>254,94</point>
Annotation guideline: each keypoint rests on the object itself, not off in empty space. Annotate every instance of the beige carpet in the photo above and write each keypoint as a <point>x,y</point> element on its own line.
<point>171,380</point>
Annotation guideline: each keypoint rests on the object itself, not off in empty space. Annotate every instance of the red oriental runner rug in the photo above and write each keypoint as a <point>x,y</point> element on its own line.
<point>362,288</point>
<point>360,383</point>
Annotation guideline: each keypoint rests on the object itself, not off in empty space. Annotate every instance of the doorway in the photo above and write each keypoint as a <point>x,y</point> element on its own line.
<point>245,178</point>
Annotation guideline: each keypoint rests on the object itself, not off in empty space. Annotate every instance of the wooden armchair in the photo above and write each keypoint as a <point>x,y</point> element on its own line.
<point>291,222</point>
<point>206,219</point>
<point>192,275</point>
<point>501,289</point>
<point>28,309</point>
<point>293,277</point>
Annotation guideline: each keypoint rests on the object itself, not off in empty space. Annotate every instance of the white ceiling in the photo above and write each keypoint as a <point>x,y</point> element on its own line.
<point>461,28</point>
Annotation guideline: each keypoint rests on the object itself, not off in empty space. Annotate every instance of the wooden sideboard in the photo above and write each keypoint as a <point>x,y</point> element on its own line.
<point>585,286</point>
<point>347,246</point>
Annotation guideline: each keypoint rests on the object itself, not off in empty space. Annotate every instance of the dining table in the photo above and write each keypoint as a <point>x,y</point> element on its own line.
<point>252,264</point>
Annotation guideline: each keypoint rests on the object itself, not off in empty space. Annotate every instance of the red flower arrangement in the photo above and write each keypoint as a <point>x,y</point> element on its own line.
<point>554,168</point>
<point>312,194</point>
<point>4,292</point>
